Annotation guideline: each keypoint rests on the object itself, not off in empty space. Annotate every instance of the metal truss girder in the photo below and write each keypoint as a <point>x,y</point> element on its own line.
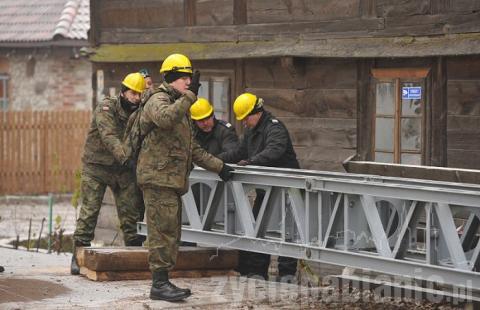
<point>358,177</point>
<point>243,208</point>
<point>216,194</point>
<point>357,260</point>
<point>442,192</point>
<point>450,235</point>
<point>298,210</point>
<point>332,220</point>
<point>191,210</point>
<point>401,244</point>
<point>376,227</point>
<point>353,220</point>
<point>399,191</point>
<point>264,213</point>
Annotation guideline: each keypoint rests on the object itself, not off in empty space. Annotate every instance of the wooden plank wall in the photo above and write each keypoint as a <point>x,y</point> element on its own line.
<point>160,21</point>
<point>316,99</point>
<point>41,150</point>
<point>463,120</point>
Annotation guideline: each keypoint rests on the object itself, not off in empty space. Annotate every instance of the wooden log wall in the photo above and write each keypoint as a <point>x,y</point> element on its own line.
<point>316,99</point>
<point>463,120</point>
<point>360,27</point>
<point>40,151</point>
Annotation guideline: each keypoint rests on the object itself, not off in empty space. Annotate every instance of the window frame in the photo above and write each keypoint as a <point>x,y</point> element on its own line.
<point>211,75</point>
<point>398,76</point>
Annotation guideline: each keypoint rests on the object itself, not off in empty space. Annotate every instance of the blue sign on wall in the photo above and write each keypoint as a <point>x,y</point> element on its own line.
<point>411,93</point>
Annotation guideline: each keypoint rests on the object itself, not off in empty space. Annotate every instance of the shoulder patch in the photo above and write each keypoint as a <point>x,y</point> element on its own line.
<point>275,121</point>
<point>224,123</point>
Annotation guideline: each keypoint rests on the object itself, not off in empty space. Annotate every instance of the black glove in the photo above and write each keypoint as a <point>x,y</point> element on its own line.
<point>195,83</point>
<point>244,162</point>
<point>130,165</point>
<point>226,173</point>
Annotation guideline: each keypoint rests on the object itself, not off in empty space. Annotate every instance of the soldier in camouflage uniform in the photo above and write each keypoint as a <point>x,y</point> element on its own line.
<point>148,80</point>
<point>105,163</point>
<point>164,163</point>
<point>149,87</point>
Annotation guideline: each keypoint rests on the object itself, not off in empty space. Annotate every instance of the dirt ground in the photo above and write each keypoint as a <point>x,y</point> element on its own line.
<point>42,281</point>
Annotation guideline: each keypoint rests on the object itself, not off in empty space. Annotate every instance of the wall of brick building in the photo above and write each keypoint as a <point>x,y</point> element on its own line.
<point>47,79</point>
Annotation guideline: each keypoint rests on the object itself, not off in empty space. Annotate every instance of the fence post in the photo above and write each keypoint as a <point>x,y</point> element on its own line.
<point>50,216</point>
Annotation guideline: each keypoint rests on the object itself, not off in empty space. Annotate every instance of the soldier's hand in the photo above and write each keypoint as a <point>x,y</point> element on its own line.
<point>131,165</point>
<point>243,162</point>
<point>226,173</point>
<point>195,83</point>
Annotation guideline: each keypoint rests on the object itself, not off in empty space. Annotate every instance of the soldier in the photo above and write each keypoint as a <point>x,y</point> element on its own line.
<point>215,136</point>
<point>163,167</point>
<point>266,142</point>
<point>148,79</point>
<point>105,163</point>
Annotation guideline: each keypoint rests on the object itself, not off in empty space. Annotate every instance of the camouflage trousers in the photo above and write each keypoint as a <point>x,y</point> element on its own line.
<point>163,214</point>
<point>128,200</point>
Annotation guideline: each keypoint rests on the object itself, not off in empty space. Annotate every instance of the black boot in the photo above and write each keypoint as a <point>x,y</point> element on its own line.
<point>163,289</point>
<point>137,241</point>
<point>74,267</point>
<point>2,269</point>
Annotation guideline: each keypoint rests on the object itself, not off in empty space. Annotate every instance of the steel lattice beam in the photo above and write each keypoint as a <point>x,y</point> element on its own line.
<point>361,221</point>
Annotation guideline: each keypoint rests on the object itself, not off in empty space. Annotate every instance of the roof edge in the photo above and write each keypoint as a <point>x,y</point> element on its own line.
<point>444,45</point>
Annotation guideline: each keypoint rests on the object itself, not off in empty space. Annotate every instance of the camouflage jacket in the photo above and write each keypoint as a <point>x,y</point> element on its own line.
<point>168,150</point>
<point>104,140</point>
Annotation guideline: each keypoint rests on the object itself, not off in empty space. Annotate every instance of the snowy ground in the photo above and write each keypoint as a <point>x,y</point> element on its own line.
<point>16,213</point>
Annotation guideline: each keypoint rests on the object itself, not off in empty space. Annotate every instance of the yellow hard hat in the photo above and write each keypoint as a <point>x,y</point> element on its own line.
<point>244,105</point>
<point>176,63</point>
<point>201,109</point>
<point>135,82</point>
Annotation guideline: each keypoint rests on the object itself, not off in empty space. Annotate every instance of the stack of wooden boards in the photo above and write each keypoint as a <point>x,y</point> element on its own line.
<point>131,263</point>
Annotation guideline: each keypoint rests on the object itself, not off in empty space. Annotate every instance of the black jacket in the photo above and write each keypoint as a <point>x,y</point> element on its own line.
<point>221,139</point>
<point>268,144</point>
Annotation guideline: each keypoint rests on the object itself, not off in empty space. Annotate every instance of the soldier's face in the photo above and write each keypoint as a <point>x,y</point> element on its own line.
<point>181,84</point>
<point>132,96</point>
<point>205,124</point>
<point>251,120</point>
<point>149,83</point>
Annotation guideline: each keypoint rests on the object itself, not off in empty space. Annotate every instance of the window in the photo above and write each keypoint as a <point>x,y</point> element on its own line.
<point>216,89</point>
<point>3,92</point>
<point>399,122</point>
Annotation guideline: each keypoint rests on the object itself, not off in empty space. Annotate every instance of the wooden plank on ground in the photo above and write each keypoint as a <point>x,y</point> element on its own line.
<point>146,275</point>
<point>136,259</point>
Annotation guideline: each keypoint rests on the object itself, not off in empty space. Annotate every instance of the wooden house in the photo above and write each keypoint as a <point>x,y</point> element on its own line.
<point>391,81</point>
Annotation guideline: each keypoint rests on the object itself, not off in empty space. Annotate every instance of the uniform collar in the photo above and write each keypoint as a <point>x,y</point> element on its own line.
<point>205,135</point>
<point>119,109</point>
<point>172,92</point>
<point>262,122</point>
